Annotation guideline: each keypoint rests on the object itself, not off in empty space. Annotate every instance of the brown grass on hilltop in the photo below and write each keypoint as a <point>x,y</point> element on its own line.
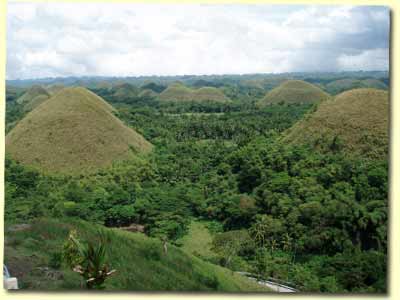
<point>54,88</point>
<point>341,85</point>
<point>357,119</point>
<point>210,93</point>
<point>179,92</point>
<point>148,93</point>
<point>75,131</point>
<point>125,90</point>
<point>294,91</point>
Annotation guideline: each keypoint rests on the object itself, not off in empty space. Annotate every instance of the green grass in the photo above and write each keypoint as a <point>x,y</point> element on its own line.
<point>179,92</point>
<point>148,93</point>
<point>14,92</point>
<point>198,241</point>
<point>338,86</point>
<point>374,83</point>
<point>73,132</point>
<point>33,97</point>
<point>31,93</point>
<point>139,260</point>
<point>209,93</point>
<point>125,90</point>
<point>294,91</point>
<point>358,118</point>
<point>196,114</point>
<point>35,102</point>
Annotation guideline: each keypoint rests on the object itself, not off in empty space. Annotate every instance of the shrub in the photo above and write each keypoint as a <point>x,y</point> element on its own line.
<point>55,260</point>
<point>71,209</point>
<point>152,251</point>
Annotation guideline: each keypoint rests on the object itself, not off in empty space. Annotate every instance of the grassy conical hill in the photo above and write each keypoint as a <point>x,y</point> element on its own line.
<point>355,121</point>
<point>54,88</point>
<point>31,93</point>
<point>74,131</point>
<point>178,92</point>
<point>125,90</point>
<point>294,91</point>
<point>374,83</point>
<point>33,97</point>
<point>13,92</point>
<point>148,93</point>
<point>157,88</point>
<point>102,85</point>
<point>210,93</point>
<point>341,85</point>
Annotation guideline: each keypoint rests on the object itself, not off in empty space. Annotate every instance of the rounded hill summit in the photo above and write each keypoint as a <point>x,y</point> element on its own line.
<point>294,91</point>
<point>74,131</point>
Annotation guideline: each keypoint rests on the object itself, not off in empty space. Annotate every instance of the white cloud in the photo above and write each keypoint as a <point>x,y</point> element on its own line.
<point>62,39</point>
<point>367,60</point>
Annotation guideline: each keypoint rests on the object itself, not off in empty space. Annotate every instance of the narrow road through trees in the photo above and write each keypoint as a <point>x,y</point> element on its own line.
<point>277,287</point>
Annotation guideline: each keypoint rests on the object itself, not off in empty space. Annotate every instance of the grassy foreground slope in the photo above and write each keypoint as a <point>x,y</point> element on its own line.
<point>294,91</point>
<point>72,132</point>
<point>178,92</point>
<point>355,121</point>
<point>198,240</point>
<point>33,255</point>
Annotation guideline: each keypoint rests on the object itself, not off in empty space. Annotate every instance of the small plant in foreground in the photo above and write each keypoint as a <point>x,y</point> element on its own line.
<point>88,259</point>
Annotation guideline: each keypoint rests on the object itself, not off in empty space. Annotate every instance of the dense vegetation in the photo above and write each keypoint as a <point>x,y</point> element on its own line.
<point>221,173</point>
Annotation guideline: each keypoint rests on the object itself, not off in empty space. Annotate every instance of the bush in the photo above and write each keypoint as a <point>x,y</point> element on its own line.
<point>55,260</point>
<point>31,243</point>
<point>329,284</point>
<point>211,282</point>
<point>305,280</point>
<point>71,209</point>
<point>152,251</point>
<point>215,227</point>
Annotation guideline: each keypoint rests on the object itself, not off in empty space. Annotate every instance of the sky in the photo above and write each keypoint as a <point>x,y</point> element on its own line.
<point>130,39</point>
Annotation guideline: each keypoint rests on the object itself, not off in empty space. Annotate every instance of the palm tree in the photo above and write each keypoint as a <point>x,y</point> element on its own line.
<point>258,232</point>
<point>287,242</point>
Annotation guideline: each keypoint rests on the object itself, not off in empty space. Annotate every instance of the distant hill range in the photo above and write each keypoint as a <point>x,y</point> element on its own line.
<point>266,81</point>
<point>74,131</point>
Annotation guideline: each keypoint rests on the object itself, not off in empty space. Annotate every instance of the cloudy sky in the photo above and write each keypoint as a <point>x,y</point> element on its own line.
<point>55,39</point>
